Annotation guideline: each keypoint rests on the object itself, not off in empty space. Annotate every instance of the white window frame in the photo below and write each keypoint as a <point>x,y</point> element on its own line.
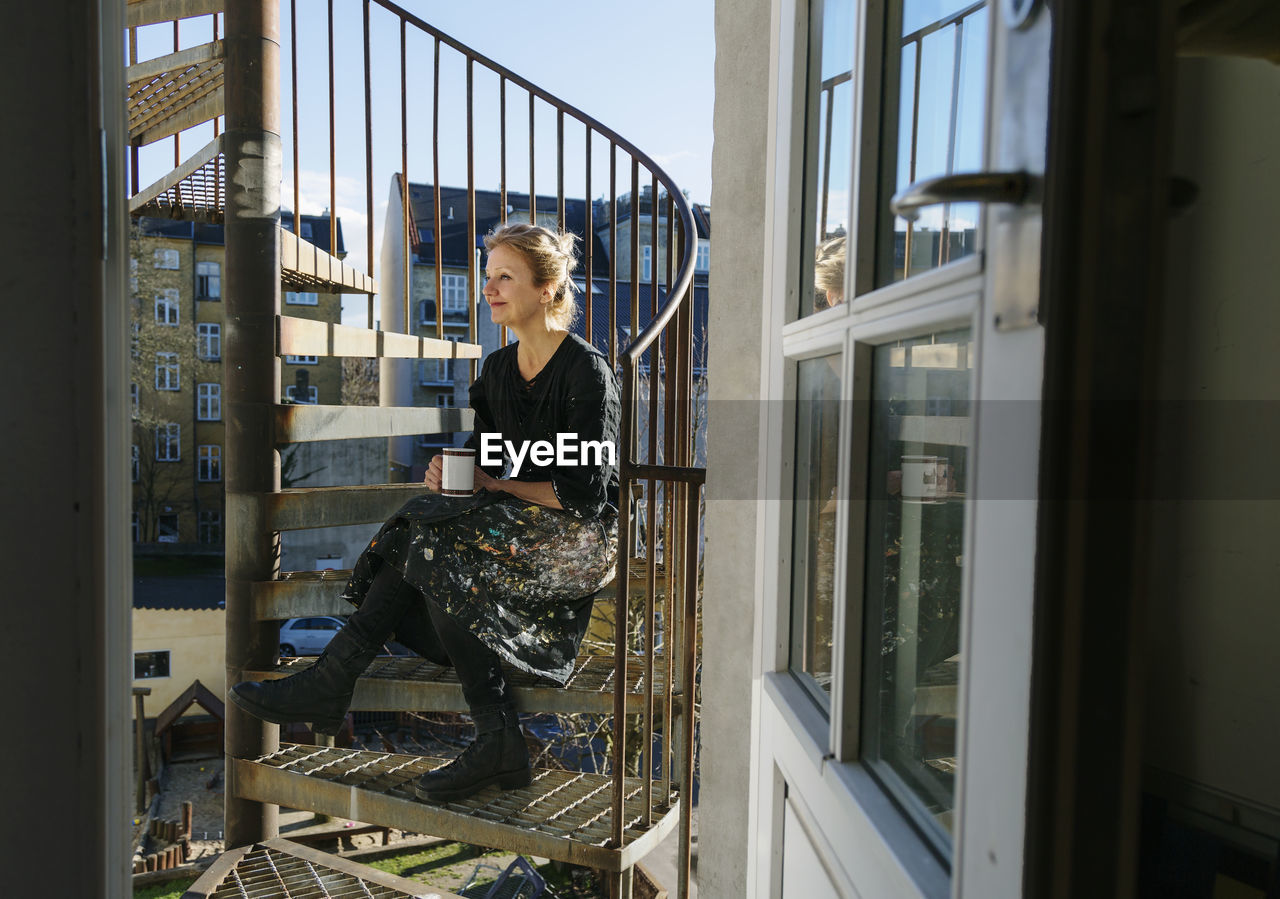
<point>454,289</point>
<point>301,360</point>
<point>169,307</point>
<point>646,262</point>
<point>168,372</point>
<point>168,259</point>
<point>133,400</point>
<point>209,463</point>
<point>313,395</point>
<point>209,341</point>
<point>445,401</point>
<point>702,262</point>
<point>210,518</point>
<point>208,401</point>
<point>208,280</point>
<point>301,298</point>
<point>169,439</point>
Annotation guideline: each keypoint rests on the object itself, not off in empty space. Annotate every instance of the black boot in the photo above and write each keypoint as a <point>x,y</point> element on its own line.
<point>497,756</point>
<point>320,694</point>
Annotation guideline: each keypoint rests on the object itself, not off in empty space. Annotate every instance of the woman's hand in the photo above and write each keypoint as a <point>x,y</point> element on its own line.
<point>435,471</point>
<point>485,481</point>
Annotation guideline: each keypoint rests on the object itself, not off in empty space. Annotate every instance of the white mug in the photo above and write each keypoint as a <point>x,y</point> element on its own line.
<point>457,475</point>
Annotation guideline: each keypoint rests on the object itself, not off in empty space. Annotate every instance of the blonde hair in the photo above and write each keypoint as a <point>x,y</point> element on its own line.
<point>551,258</point>
<point>828,272</point>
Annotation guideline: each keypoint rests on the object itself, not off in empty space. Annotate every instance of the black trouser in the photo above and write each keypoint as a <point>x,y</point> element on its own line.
<point>394,606</point>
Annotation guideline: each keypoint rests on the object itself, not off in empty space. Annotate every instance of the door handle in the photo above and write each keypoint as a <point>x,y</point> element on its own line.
<point>969,187</point>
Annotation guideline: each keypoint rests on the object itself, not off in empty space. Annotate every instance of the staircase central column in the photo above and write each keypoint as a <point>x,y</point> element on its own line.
<point>251,144</point>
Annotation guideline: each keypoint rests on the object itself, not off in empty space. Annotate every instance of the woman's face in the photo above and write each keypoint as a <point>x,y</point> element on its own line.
<point>514,300</point>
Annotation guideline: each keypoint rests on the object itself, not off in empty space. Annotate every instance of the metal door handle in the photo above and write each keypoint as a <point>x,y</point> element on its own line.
<point>970,187</point>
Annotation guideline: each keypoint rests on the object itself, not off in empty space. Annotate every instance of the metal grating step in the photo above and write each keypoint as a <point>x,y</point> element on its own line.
<point>306,267</point>
<point>170,94</point>
<point>284,870</point>
<point>412,684</point>
<point>562,815</point>
<point>193,192</point>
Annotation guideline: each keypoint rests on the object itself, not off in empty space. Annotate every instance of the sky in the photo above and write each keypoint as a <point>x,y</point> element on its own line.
<point>645,72</point>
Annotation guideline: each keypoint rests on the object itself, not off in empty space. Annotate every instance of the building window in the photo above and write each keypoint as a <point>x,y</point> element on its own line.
<point>169,442</point>
<point>167,375</point>
<point>210,526</point>
<point>301,360</point>
<point>209,341</point>
<point>703,261</point>
<point>136,466</point>
<point>306,231</point>
<point>208,281</point>
<point>209,402</point>
<point>133,275</point>
<point>454,288</point>
<point>167,307</point>
<point>136,528</point>
<point>133,400</point>
<point>444,400</point>
<point>646,262</point>
<point>168,529</point>
<point>208,464</point>
<point>151,664</point>
<point>301,299</point>
<point>166,259</point>
<point>312,396</point>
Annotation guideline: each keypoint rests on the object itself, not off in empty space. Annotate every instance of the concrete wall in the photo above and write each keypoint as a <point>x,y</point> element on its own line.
<point>339,463</point>
<point>736,313</point>
<point>195,639</point>
<point>1213,673</point>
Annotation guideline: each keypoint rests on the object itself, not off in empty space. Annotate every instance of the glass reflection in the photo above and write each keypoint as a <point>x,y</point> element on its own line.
<point>915,566</point>
<point>814,517</point>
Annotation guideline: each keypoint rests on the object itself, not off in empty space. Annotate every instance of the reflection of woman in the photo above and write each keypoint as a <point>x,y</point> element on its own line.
<point>828,273</point>
<point>504,577</point>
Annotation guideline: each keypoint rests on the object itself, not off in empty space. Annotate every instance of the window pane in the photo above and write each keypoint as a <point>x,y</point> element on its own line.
<point>919,465</point>
<point>830,142</point>
<point>935,81</point>
<point>813,539</point>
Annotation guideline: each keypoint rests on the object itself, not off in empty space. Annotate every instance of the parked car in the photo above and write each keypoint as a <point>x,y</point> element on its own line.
<point>308,636</point>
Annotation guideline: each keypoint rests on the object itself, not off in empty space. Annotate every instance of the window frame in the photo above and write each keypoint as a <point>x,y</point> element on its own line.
<point>301,298</point>
<point>209,401</point>
<point>168,307</point>
<point>171,434</point>
<point>209,463</point>
<point>209,341</point>
<point>168,364</point>
<point>206,279</point>
<point>454,290</point>
<point>168,664</point>
<point>313,394</point>
<point>209,519</point>
<point>161,257</point>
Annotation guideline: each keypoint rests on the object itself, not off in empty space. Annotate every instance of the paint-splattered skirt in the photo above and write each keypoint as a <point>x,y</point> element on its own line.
<point>520,576</point>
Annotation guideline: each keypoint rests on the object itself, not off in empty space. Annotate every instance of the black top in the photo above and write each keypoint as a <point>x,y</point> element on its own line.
<point>576,393</point>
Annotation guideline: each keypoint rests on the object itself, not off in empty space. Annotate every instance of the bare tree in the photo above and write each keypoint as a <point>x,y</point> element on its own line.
<point>359,381</point>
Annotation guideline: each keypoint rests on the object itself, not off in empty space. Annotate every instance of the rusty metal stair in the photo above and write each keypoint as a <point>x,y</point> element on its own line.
<point>169,94</point>
<point>562,815</point>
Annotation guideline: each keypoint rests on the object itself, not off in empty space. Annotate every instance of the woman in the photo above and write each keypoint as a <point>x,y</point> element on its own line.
<point>504,577</point>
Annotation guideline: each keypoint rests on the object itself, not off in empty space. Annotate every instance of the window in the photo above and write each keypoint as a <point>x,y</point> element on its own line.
<point>454,288</point>
<point>703,261</point>
<point>306,231</point>
<point>301,360</point>
<point>209,341</point>
<point>136,466</point>
<point>166,259</point>
<point>133,275</point>
<point>136,528</point>
<point>169,442</point>
<point>208,281</point>
<point>311,397</point>
<point>209,463</point>
<point>445,400</point>
<point>167,371</point>
<point>646,264</point>
<point>209,402</point>
<point>151,664</point>
<point>133,400</point>
<point>167,302</point>
<point>302,299</point>
<point>210,526</point>
<point>168,529</point>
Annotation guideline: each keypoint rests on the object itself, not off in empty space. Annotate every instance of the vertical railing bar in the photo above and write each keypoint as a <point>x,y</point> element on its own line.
<point>533,194</point>
<point>333,152</point>
<point>911,175</point>
<point>651,552</point>
<point>215,40</point>
<point>667,367</point>
<point>633,448</point>
<point>675,564</point>
<point>134,187</point>
<point>613,255</point>
<point>826,159</point>
<point>944,237</point>
<point>502,171</point>
<point>438,240</point>
<point>407,273</point>
<point>177,138</point>
<point>625,466</point>
<point>293,81</point>
<point>668,524</point>
<point>368,168</point>
<point>588,240</point>
<point>472,273</point>
<point>690,689</point>
<point>655,232</point>
<point>560,169</point>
